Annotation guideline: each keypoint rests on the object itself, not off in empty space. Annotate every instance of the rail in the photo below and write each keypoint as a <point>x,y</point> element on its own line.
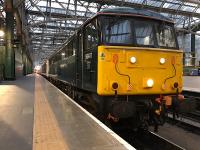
<point>189,116</point>
<point>144,139</point>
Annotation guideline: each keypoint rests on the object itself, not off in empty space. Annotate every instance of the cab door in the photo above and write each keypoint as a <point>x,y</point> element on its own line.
<point>90,56</point>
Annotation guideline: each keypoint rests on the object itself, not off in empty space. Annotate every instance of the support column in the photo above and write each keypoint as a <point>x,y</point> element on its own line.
<point>18,42</point>
<point>9,54</point>
<point>193,48</point>
<point>47,68</point>
<point>24,60</point>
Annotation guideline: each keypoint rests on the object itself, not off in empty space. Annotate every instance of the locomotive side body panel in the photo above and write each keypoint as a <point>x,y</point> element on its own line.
<point>115,66</point>
<point>67,70</point>
<point>64,69</point>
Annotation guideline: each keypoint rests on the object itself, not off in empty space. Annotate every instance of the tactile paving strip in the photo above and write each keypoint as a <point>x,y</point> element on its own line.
<point>46,132</point>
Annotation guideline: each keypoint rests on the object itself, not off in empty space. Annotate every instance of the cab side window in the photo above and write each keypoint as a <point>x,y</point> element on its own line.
<point>91,36</point>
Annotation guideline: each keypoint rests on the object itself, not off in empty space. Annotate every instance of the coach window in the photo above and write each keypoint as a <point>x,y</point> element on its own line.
<point>57,57</point>
<point>91,40</point>
<point>70,48</point>
<point>63,53</point>
<point>74,46</point>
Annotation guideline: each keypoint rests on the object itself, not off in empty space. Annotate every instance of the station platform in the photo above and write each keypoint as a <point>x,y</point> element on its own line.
<point>191,83</point>
<point>36,115</point>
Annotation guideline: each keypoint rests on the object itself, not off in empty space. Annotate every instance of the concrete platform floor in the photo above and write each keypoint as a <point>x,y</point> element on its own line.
<point>16,114</point>
<point>36,115</point>
<point>191,83</point>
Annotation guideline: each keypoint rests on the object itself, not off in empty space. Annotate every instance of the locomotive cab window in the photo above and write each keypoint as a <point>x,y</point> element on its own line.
<point>144,33</point>
<point>135,31</point>
<point>165,36</point>
<point>117,31</point>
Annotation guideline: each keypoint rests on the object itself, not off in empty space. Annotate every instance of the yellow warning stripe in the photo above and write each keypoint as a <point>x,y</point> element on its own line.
<point>46,132</point>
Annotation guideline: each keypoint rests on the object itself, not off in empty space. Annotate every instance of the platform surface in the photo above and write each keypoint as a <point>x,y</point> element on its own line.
<point>16,114</point>
<point>191,83</point>
<point>36,115</point>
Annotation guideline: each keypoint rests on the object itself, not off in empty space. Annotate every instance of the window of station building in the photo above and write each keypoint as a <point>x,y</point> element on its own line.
<point>91,36</point>
<point>144,33</point>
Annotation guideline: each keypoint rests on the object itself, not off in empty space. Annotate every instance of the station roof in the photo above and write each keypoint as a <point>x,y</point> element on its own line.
<point>49,23</point>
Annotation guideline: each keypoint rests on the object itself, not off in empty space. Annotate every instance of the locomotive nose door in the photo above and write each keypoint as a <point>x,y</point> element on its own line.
<point>90,57</point>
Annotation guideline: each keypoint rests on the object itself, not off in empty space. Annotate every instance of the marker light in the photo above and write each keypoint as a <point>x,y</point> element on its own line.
<point>115,85</point>
<point>175,84</point>
<point>162,60</point>
<point>132,60</point>
<point>1,33</point>
<point>150,83</point>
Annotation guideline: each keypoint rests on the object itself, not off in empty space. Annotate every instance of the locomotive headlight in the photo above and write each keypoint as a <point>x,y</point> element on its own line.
<point>133,60</point>
<point>162,60</point>
<point>150,83</point>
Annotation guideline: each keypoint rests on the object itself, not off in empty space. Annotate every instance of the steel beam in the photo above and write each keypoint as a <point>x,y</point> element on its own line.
<point>55,20</point>
<point>193,48</point>
<point>54,15</point>
<point>153,8</point>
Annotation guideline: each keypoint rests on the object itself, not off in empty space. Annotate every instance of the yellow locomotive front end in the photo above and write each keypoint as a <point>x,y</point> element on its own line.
<point>138,55</point>
<point>138,71</point>
<point>139,66</point>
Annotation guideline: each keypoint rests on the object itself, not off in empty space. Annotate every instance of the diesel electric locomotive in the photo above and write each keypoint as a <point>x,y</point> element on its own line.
<point>123,63</point>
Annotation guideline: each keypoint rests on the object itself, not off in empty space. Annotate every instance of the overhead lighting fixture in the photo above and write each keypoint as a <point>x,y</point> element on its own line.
<point>2,33</point>
<point>37,68</point>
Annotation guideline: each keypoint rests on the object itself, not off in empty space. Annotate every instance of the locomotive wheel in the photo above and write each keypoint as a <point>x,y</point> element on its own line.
<point>89,104</point>
<point>108,123</point>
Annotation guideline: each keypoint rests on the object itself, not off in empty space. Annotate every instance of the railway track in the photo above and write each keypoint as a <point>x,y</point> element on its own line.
<point>189,117</point>
<point>147,140</point>
<point>185,122</point>
<point>193,102</point>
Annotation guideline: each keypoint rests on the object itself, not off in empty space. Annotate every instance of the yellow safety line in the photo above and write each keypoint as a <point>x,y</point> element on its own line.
<point>46,132</point>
